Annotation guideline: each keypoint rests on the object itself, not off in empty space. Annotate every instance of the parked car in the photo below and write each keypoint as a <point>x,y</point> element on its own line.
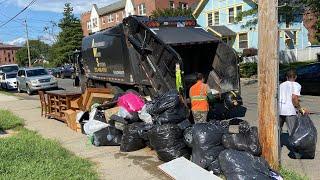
<point>8,68</point>
<point>34,79</point>
<point>9,81</point>
<point>308,77</point>
<point>66,71</point>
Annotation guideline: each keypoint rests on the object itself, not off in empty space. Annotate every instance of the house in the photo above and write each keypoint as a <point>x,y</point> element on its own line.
<point>8,54</point>
<point>109,16</point>
<point>220,18</point>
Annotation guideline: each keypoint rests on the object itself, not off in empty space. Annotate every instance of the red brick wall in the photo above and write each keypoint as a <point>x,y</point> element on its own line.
<point>104,19</point>
<point>8,55</point>
<point>85,17</point>
<point>150,6</point>
<point>310,21</point>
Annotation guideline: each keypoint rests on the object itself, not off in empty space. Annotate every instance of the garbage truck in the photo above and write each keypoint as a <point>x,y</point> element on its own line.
<point>154,55</point>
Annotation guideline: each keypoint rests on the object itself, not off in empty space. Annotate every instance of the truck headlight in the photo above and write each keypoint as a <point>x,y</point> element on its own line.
<point>34,81</point>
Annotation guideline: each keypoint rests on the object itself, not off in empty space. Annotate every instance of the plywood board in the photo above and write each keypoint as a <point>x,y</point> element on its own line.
<point>183,169</point>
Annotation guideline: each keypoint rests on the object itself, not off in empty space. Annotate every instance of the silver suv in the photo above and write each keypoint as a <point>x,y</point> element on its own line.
<point>34,79</point>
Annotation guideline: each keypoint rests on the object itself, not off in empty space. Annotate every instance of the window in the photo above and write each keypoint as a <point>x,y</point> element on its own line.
<point>183,5</point>
<point>239,10</point>
<point>103,20</point>
<point>295,37</point>
<point>231,15</point>
<point>5,59</point>
<point>216,18</point>
<point>110,18</point>
<point>94,22</point>
<point>123,14</point>
<point>171,4</point>
<point>209,19</point>
<point>243,40</point>
<point>142,9</point>
<point>117,18</point>
<point>89,25</point>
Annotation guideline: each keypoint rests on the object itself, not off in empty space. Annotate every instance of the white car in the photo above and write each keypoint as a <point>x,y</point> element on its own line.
<point>9,81</point>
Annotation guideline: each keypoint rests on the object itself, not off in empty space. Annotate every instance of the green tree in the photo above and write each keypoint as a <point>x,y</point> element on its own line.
<point>69,39</point>
<point>170,12</point>
<point>314,6</point>
<point>38,50</point>
<point>287,9</point>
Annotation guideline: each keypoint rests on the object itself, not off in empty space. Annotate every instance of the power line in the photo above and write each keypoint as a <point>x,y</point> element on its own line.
<point>32,2</point>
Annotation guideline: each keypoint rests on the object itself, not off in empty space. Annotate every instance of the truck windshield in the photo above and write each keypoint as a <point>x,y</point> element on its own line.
<point>6,69</point>
<point>36,72</point>
<point>8,76</point>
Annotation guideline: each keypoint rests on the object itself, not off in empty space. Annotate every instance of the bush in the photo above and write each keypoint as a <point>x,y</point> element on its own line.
<point>248,69</point>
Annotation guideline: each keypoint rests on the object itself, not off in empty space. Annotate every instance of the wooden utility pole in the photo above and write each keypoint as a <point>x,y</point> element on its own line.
<point>268,68</point>
<point>28,47</point>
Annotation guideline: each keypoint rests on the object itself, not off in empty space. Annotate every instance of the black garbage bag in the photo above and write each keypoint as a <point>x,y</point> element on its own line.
<point>232,99</point>
<point>303,138</point>
<point>109,136</point>
<point>172,115</point>
<point>163,102</point>
<point>99,116</point>
<point>187,136</point>
<point>207,143</point>
<point>215,167</point>
<point>248,141</point>
<point>241,165</point>
<point>167,140</point>
<point>131,139</point>
<point>184,124</point>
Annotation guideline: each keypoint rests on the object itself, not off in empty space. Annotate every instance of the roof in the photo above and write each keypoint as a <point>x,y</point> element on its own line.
<point>112,7</point>
<point>31,68</point>
<point>222,31</point>
<point>186,35</point>
<point>8,46</point>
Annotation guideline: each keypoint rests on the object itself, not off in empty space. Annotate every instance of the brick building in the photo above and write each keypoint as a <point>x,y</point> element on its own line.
<point>8,54</point>
<point>102,18</point>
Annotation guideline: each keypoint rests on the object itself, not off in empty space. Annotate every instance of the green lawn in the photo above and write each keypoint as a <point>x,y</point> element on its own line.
<point>9,121</point>
<point>291,175</point>
<point>26,155</point>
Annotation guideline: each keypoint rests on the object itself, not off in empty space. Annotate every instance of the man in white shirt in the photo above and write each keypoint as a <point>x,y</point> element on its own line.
<point>289,101</point>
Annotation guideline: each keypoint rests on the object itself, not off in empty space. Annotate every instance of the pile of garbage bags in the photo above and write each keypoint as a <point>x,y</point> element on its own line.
<point>138,123</point>
<point>162,124</point>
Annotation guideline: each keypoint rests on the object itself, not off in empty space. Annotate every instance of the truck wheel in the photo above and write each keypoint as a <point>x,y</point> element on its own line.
<point>29,92</point>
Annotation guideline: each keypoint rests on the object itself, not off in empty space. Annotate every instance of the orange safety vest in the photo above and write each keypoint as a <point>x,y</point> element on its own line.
<point>198,95</point>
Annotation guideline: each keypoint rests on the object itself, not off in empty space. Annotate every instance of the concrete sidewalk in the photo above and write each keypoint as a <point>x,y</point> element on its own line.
<point>110,162</point>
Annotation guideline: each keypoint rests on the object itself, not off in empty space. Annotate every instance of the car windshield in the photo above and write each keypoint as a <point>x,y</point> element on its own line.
<point>8,76</point>
<point>6,69</point>
<point>36,72</point>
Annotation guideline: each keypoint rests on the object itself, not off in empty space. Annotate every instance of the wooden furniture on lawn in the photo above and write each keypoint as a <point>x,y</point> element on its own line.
<point>59,102</point>
<point>44,103</point>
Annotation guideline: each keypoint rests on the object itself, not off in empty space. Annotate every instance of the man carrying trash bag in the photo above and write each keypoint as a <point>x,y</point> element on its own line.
<point>302,132</point>
<point>199,94</point>
<point>289,101</point>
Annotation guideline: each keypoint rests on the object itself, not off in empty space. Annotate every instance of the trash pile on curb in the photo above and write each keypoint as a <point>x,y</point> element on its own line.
<point>162,124</point>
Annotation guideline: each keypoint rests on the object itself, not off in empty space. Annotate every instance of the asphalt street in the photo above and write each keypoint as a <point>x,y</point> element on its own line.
<point>66,84</point>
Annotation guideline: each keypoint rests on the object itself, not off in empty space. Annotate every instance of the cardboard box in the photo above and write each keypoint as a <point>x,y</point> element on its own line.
<point>109,112</point>
<point>76,103</point>
<point>98,98</point>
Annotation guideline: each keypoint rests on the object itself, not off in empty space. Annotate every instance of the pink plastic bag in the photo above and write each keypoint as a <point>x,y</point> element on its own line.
<point>131,102</point>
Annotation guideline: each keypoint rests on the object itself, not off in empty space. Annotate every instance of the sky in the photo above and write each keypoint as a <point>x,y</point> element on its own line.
<point>43,14</point>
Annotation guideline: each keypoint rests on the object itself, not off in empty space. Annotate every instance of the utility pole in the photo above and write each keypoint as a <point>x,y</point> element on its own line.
<point>28,47</point>
<point>268,68</point>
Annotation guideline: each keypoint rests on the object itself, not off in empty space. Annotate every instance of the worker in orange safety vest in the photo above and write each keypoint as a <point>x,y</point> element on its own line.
<point>199,101</point>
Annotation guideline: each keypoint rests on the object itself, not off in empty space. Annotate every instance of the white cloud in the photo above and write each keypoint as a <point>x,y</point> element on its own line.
<point>79,6</point>
<point>18,42</point>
